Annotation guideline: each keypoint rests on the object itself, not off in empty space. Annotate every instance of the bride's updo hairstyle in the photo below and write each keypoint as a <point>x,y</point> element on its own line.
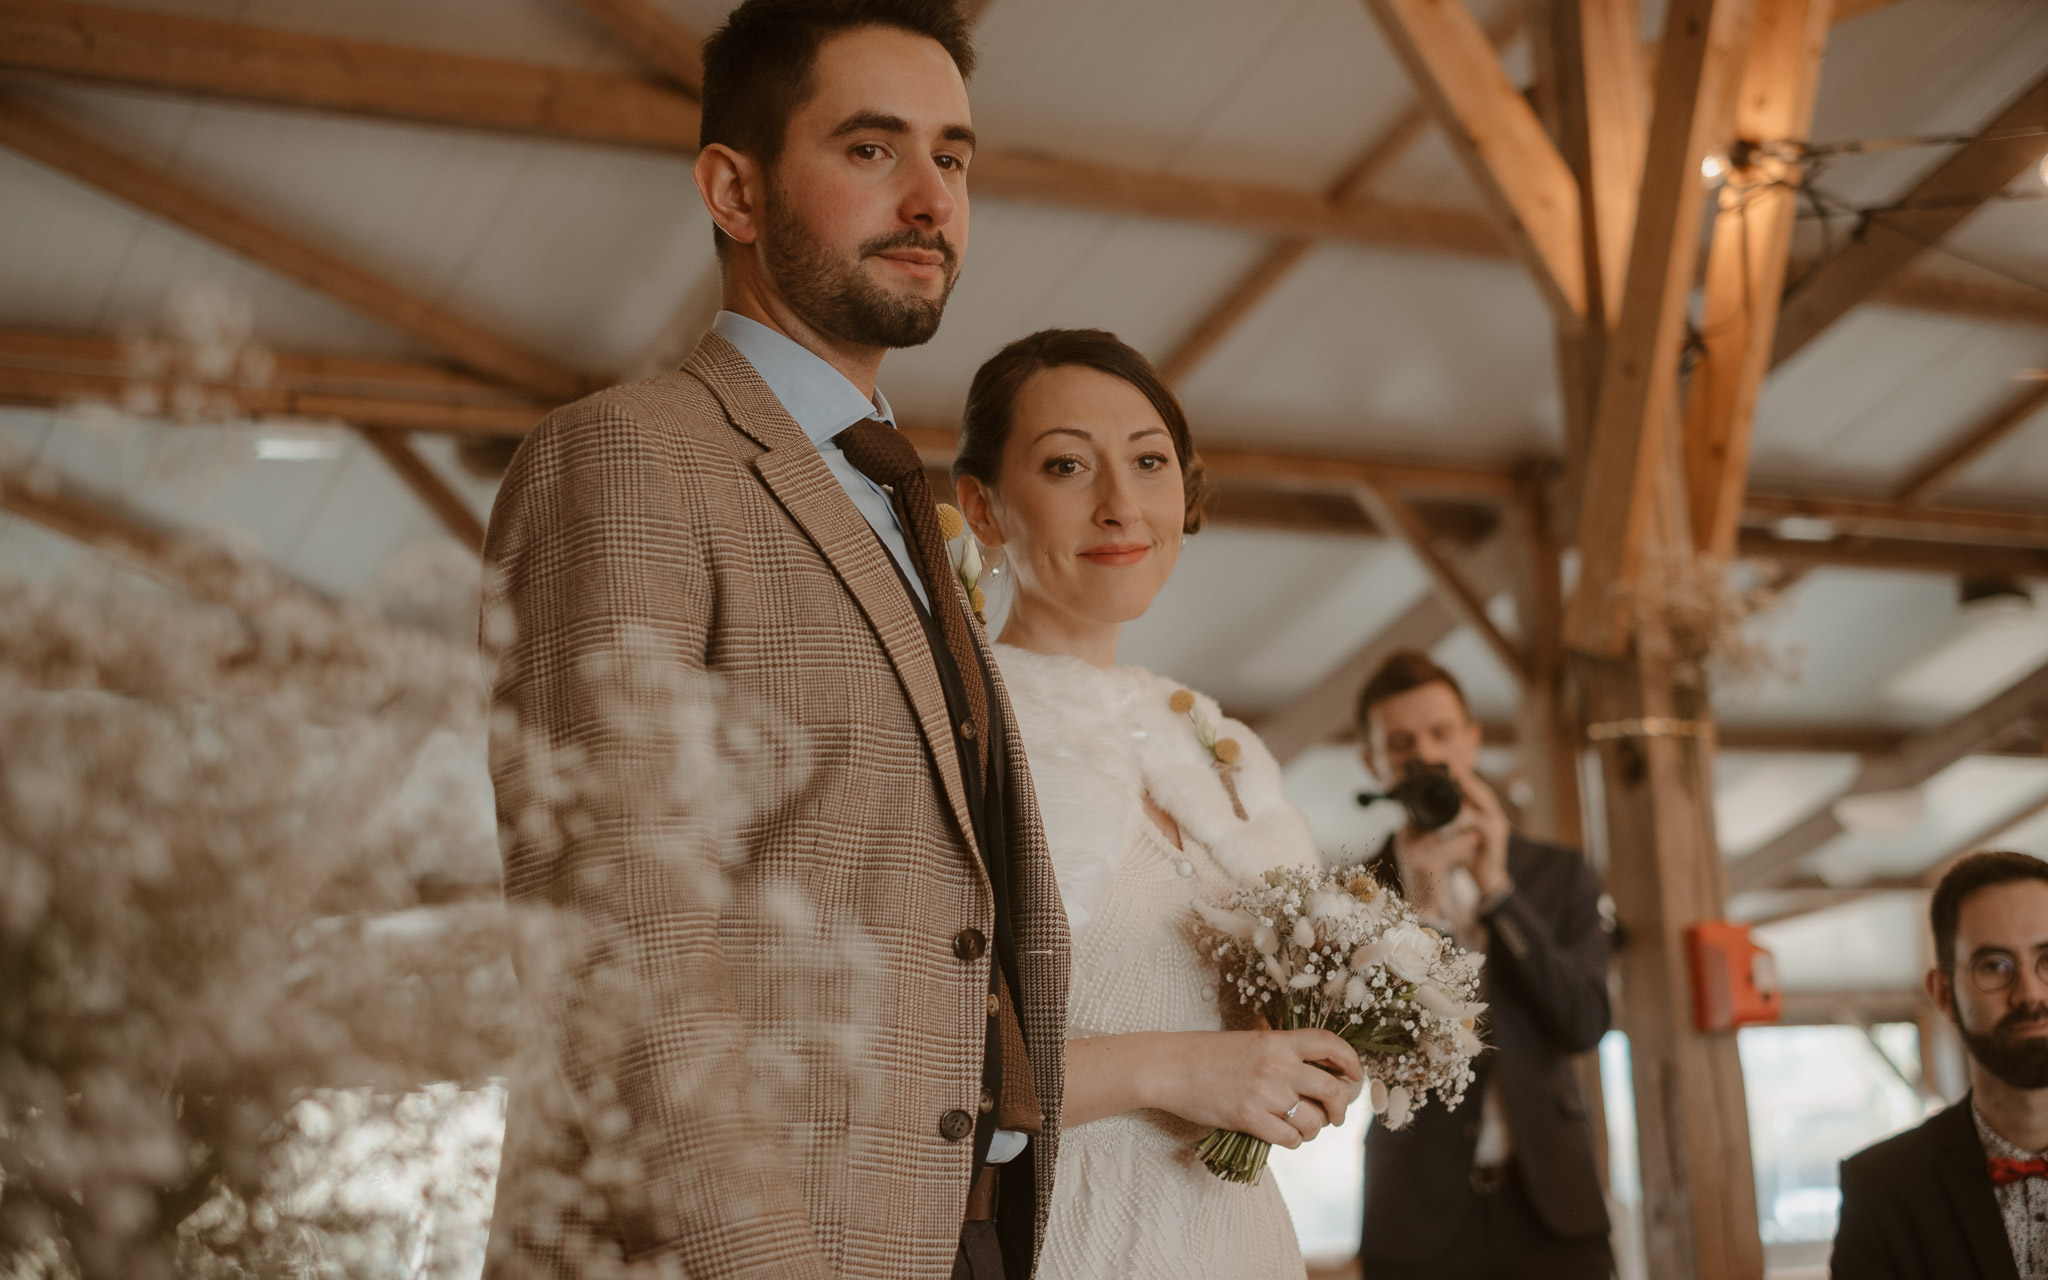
<point>992,402</point>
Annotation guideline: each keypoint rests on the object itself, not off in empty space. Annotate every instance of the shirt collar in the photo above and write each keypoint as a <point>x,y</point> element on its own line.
<point>818,396</point>
<point>1996,1143</point>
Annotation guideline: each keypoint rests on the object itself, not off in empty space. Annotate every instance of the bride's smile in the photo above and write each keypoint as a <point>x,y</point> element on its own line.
<point>1088,509</point>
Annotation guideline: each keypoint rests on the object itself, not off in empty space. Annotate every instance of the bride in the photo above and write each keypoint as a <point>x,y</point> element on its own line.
<point>1076,462</point>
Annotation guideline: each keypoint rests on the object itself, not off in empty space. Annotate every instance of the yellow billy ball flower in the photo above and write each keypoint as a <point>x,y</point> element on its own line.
<point>951,522</point>
<point>1182,702</point>
<point>1227,751</point>
<point>979,601</point>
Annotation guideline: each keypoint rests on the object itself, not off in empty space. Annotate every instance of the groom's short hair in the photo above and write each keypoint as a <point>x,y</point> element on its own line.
<point>757,67</point>
<point>1984,870</point>
<point>1403,671</point>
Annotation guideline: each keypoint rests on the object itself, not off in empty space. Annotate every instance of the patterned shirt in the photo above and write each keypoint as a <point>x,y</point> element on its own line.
<point>2023,1205</point>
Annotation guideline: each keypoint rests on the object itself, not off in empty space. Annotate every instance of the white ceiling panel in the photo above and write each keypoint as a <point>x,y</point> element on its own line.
<point>1370,349</point>
<point>1882,390</point>
<point>1965,802</point>
<point>1872,944</point>
<point>1841,634</point>
<point>1031,267</point>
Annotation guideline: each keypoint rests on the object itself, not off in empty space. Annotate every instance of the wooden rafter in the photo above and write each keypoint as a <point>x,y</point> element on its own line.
<point>1817,897</point>
<point>1746,266</point>
<point>288,68</point>
<point>1324,711</point>
<point>662,42</point>
<point>177,202</point>
<point>65,388</point>
<point>1993,301</point>
<point>420,477</point>
<point>1973,443</point>
<point>1529,189</point>
<point>55,371</point>
<point>291,69</point>
<point>1697,68</point>
<point>1910,764</point>
<point>1278,262</point>
<point>1912,555</point>
<point>1392,514</point>
<point>164,554</point>
<point>1879,518</point>
<point>1890,239</point>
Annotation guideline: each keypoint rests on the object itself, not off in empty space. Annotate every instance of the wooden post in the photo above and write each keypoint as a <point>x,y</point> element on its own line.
<point>1664,871</point>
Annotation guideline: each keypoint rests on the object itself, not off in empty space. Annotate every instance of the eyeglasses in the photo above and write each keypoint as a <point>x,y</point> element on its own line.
<point>1996,971</point>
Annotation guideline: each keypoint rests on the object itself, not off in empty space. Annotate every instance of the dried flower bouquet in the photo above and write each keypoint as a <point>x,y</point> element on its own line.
<point>1332,950</point>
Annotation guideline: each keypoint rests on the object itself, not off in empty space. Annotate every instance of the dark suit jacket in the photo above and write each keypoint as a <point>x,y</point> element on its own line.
<point>1920,1206</point>
<point>1546,988</point>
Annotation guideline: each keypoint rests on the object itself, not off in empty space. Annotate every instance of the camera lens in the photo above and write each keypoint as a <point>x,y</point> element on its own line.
<point>1432,798</point>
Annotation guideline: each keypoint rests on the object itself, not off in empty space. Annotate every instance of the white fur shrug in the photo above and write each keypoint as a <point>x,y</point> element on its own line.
<point>1097,742</point>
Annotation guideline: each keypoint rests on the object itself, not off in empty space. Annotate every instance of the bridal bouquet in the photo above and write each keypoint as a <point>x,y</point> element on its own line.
<point>1333,950</point>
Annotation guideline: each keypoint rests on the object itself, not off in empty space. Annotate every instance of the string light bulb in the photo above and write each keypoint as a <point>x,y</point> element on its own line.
<point>1714,168</point>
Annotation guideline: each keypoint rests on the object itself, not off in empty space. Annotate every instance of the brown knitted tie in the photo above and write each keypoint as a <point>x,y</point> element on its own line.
<point>879,452</point>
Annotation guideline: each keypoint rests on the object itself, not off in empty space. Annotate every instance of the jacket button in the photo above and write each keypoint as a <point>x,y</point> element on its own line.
<point>968,944</point>
<point>955,1125</point>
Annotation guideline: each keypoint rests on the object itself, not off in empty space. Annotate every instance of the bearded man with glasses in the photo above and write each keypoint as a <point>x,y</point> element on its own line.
<point>1966,1193</point>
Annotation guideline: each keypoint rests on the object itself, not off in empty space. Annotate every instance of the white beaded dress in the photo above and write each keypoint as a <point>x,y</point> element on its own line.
<point>1131,1198</point>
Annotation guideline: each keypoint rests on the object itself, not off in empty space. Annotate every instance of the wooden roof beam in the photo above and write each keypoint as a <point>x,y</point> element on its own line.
<point>1973,443</point>
<point>1529,190</point>
<point>1278,262</point>
<point>1324,712</point>
<point>1752,238</point>
<point>1467,602</point>
<point>1889,240</point>
<point>56,371</point>
<point>126,178</point>
<point>419,476</point>
<point>1911,555</point>
<point>652,33</point>
<point>289,69</point>
<point>189,565</point>
<point>292,69</point>
<point>1910,764</point>
<point>1881,518</point>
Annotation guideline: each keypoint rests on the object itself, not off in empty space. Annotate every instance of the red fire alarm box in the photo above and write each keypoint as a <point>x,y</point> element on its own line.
<point>1734,981</point>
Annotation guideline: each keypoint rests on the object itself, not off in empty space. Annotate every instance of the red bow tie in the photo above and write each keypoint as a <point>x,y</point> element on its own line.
<point>2005,1172</point>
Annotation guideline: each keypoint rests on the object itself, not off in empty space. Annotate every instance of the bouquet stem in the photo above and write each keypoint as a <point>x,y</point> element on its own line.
<point>1233,1156</point>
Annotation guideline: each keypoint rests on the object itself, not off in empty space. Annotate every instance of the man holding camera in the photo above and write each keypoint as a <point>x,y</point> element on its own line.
<point>1506,1185</point>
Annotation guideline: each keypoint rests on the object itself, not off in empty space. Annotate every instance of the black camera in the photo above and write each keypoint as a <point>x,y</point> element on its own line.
<point>1428,792</point>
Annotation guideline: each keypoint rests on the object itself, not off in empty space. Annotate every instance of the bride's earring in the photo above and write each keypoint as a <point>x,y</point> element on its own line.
<point>995,559</point>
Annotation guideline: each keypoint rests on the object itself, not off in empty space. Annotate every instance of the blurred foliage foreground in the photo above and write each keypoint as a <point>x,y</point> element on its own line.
<point>227,976</point>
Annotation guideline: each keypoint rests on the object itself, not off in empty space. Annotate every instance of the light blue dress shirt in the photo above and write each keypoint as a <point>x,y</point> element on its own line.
<point>824,404</point>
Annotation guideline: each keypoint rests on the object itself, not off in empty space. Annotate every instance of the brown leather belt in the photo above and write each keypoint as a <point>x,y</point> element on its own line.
<point>981,1197</point>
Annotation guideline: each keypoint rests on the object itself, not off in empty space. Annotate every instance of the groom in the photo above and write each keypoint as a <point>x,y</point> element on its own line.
<point>755,518</point>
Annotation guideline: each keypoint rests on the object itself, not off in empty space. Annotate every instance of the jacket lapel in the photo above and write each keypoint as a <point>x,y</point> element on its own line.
<point>1960,1169</point>
<point>798,477</point>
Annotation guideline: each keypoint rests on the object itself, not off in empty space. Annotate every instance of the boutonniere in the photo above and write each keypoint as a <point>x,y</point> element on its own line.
<point>966,560</point>
<point>1224,753</point>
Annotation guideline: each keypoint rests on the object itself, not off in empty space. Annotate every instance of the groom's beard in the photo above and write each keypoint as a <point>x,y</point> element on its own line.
<point>835,296</point>
<point>2020,1061</point>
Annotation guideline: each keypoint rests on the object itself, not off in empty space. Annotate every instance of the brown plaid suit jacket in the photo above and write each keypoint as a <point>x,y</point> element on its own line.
<point>689,518</point>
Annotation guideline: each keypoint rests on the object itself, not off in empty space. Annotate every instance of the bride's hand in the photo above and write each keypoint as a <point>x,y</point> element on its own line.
<point>1249,1080</point>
